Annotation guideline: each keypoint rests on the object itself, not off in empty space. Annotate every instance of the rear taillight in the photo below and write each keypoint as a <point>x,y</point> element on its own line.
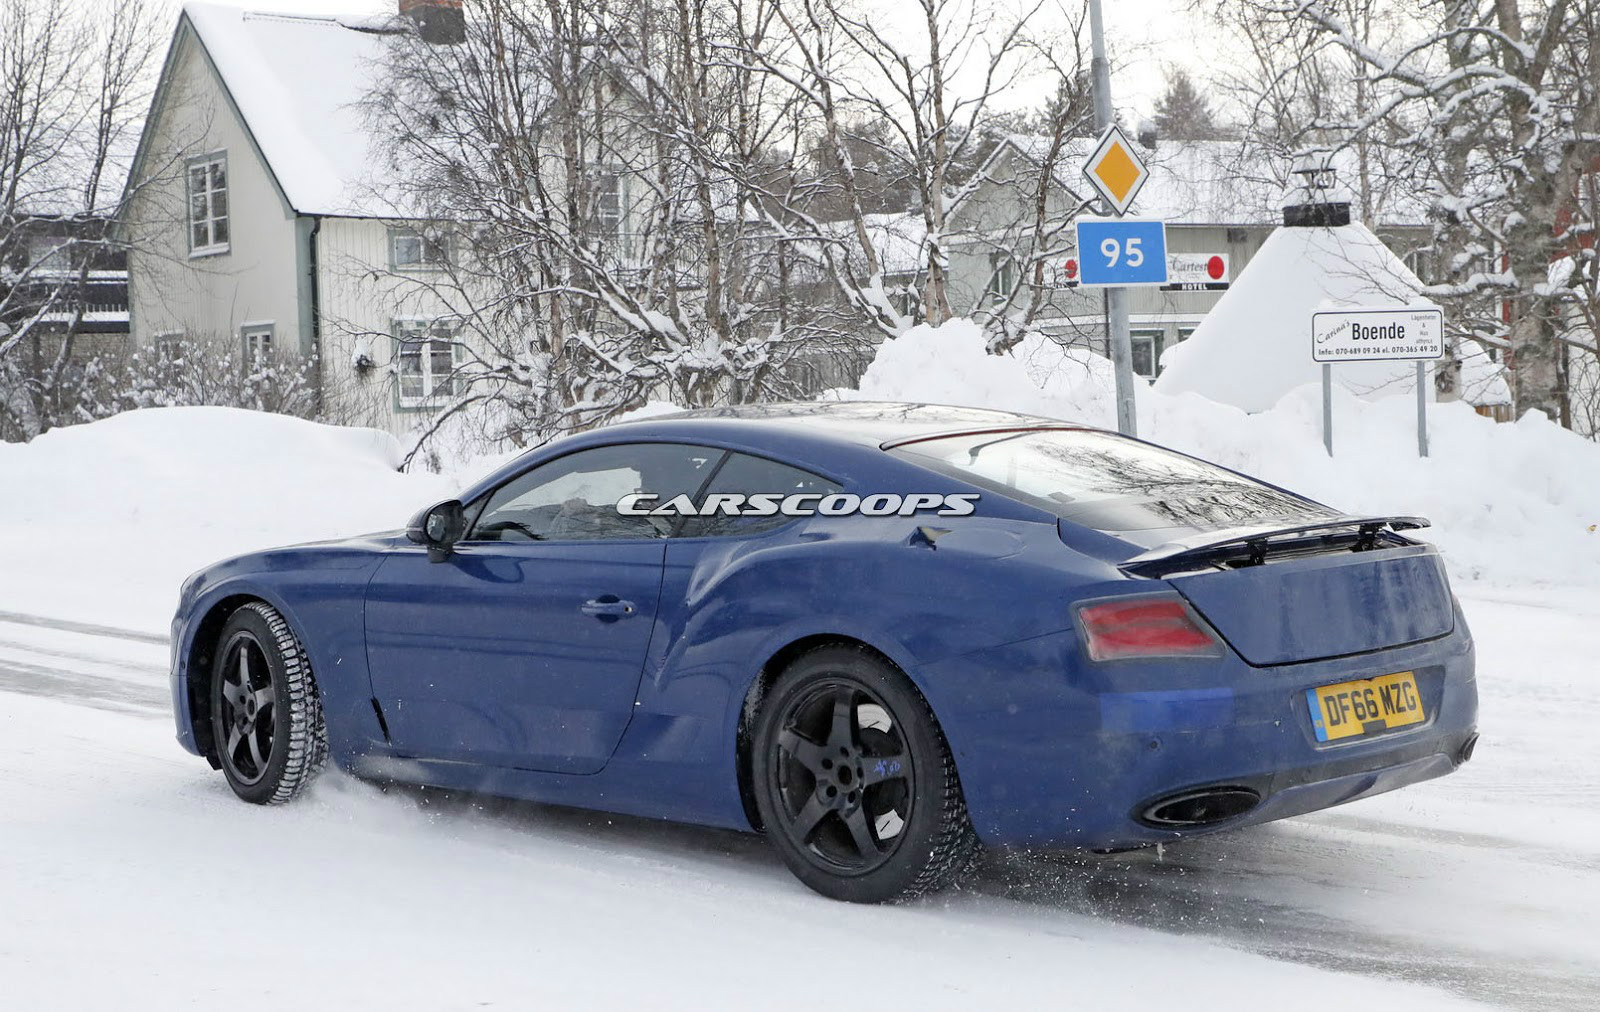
<point>1145,626</point>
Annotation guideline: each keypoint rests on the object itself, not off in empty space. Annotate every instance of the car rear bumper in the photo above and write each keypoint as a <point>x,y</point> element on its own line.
<point>1055,752</point>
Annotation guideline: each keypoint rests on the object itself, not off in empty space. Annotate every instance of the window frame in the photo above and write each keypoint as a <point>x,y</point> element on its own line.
<point>475,506</point>
<point>705,487</point>
<point>167,345</point>
<point>1004,276</point>
<point>479,503</point>
<point>1157,339</point>
<point>608,184</point>
<point>254,333</point>
<point>430,399</point>
<point>213,247</point>
<point>43,248</point>
<point>1419,261</point>
<point>425,243</point>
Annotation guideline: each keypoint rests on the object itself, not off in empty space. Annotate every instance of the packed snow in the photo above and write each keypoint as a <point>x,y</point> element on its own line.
<point>1254,345</point>
<point>126,855</point>
<point>114,514</point>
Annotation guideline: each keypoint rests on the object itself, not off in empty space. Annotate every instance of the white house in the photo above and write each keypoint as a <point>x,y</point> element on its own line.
<point>260,213</point>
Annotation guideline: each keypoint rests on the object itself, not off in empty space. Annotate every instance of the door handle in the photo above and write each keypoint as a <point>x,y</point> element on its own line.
<point>608,606</point>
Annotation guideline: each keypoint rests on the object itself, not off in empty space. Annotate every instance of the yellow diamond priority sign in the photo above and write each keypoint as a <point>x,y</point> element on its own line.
<point>1115,169</point>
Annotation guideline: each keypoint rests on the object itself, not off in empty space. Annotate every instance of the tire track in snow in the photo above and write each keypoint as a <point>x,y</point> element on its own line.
<point>85,628</point>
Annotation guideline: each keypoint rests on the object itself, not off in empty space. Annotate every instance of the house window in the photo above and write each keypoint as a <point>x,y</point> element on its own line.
<point>1417,262</point>
<point>49,252</point>
<point>1146,353</point>
<point>208,205</point>
<point>410,250</point>
<point>168,345</point>
<point>607,203</point>
<point>907,300</point>
<point>1002,275</point>
<point>426,357</point>
<point>258,345</point>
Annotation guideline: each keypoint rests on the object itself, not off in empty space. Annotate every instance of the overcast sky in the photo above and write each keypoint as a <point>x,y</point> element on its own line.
<point>1145,38</point>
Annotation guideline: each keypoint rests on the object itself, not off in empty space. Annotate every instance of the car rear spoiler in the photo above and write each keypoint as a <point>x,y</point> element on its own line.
<point>1253,546</point>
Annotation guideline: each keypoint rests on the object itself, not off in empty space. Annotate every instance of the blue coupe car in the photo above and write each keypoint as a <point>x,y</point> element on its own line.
<point>885,635</point>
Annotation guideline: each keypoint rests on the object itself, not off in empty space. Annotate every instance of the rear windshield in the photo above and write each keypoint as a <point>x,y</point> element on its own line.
<point>1109,483</point>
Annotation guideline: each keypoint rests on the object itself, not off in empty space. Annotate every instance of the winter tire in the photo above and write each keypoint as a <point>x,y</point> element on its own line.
<point>266,718</point>
<point>855,783</point>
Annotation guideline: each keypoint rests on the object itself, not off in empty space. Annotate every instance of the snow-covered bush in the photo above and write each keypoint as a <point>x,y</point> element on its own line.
<point>197,371</point>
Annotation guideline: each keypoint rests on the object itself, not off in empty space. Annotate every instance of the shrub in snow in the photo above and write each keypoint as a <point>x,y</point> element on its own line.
<point>197,371</point>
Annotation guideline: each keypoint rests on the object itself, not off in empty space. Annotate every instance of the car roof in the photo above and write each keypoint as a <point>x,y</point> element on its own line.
<point>869,423</point>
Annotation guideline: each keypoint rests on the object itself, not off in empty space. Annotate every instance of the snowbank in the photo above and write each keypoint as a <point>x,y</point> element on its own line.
<point>103,521</point>
<point>1510,503</point>
<point>1254,345</point>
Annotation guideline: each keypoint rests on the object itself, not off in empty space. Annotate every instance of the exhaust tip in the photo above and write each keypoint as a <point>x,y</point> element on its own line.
<point>1467,748</point>
<point>1201,807</point>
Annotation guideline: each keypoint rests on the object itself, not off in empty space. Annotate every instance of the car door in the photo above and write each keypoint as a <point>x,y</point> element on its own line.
<point>524,647</point>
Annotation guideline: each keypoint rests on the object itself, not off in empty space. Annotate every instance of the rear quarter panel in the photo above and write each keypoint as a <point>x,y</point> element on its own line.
<point>728,605</point>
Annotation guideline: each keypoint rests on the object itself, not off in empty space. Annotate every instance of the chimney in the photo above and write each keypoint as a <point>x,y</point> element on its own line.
<point>439,22</point>
<point>1314,203</point>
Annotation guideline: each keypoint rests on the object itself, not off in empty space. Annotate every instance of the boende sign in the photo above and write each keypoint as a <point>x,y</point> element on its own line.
<point>1377,335</point>
<point>1415,333</point>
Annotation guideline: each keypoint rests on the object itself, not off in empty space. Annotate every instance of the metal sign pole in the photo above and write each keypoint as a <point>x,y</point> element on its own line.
<point>1116,298</point>
<point>1422,409</point>
<point>1327,407</point>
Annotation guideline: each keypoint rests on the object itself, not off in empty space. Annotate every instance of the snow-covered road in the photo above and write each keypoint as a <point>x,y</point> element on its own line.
<point>129,874</point>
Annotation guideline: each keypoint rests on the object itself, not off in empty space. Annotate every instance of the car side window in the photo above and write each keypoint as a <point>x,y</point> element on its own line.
<point>574,498</point>
<point>749,475</point>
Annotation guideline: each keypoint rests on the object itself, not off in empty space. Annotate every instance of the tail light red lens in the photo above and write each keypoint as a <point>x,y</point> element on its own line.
<point>1161,626</point>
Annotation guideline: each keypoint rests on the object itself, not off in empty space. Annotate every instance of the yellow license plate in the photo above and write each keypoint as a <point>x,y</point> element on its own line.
<point>1365,706</point>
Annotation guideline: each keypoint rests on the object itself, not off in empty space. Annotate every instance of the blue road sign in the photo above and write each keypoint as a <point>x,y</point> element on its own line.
<point>1121,252</point>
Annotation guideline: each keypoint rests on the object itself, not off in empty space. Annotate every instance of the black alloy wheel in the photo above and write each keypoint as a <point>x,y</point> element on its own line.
<point>266,718</point>
<point>844,777</point>
<point>855,783</point>
<point>249,707</point>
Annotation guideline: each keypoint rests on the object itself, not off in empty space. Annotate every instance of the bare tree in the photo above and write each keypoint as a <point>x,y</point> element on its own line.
<point>1581,267</point>
<point>1034,236</point>
<point>623,183</point>
<point>911,85</point>
<point>1491,109</point>
<point>73,83</point>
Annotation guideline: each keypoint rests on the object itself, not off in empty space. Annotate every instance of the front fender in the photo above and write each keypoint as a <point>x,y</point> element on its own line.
<point>320,593</point>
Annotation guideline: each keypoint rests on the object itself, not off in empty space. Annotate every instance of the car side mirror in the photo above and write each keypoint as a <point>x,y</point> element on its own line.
<point>439,527</point>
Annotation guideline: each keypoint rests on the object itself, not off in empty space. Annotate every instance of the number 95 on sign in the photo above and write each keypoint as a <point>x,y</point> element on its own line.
<point>1122,252</point>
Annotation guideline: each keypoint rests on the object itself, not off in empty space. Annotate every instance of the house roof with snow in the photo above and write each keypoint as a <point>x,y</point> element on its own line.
<point>297,82</point>
<point>1206,182</point>
<point>901,240</point>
